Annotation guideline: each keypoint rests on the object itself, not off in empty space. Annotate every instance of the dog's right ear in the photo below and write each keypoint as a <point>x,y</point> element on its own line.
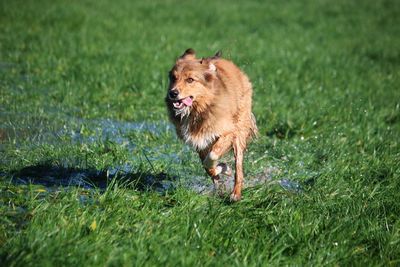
<point>189,54</point>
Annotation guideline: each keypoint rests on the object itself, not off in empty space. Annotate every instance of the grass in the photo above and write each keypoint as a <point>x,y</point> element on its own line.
<point>82,86</point>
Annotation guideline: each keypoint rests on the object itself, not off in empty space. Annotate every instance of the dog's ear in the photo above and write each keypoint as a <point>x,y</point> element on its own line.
<point>217,55</point>
<point>189,54</point>
<point>210,73</point>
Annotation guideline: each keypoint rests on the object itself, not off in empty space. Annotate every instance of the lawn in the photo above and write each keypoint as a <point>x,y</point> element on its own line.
<point>92,173</point>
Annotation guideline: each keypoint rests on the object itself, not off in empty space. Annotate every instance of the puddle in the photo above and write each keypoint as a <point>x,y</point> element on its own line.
<point>6,65</point>
<point>33,130</point>
<point>51,129</point>
<point>290,185</point>
<point>89,131</point>
<point>15,128</point>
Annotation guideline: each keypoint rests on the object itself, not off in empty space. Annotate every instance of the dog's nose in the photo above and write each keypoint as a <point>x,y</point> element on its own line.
<point>173,93</point>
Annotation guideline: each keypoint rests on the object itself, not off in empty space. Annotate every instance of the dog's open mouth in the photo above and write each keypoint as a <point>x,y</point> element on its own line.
<point>184,102</point>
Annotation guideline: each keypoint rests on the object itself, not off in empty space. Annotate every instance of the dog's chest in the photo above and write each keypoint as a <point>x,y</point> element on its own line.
<point>198,137</point>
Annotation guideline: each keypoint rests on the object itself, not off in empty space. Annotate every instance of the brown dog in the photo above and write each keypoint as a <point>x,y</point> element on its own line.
<point>209,102</point>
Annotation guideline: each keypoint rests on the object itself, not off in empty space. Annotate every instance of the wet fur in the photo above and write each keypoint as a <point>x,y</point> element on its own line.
<point>220,118</point>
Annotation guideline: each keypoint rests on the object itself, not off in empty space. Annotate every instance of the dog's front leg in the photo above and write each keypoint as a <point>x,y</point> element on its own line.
<point>211,156</point>
<point>238,149</point>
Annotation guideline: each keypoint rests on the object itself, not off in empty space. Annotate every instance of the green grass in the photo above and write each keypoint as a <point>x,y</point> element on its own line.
<point>326,77</point>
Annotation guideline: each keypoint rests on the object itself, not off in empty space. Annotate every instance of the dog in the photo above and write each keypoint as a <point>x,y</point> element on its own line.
<point>209,102</point>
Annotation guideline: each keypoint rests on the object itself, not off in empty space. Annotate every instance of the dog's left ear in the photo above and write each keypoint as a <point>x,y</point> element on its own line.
<point>217,55</point>
<point>188,54</point>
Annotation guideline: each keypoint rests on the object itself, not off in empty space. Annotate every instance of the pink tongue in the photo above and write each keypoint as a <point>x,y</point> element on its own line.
<point>187,101</point>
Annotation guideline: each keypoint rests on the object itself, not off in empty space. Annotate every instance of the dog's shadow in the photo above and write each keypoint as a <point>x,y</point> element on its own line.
<point>51,175</point>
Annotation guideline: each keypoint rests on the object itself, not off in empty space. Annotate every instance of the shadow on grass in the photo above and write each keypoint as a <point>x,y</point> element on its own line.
<point>50,175</point>
<point>53,176</point>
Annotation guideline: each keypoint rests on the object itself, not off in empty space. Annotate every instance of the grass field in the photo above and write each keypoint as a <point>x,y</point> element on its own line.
<point>84,133</point>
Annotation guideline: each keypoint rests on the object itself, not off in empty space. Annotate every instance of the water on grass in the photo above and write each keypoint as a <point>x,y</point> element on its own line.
<point>51,128</point>
<point>51,177</point>
<point>17,129</point>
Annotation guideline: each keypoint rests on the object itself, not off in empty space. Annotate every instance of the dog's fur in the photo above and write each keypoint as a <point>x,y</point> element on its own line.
<point>209,102</point>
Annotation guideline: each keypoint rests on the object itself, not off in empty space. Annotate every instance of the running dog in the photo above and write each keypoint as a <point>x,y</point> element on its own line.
<point>209,102</point>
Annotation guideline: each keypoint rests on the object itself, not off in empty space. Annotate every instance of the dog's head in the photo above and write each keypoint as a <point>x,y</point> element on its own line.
<point>191,83</point>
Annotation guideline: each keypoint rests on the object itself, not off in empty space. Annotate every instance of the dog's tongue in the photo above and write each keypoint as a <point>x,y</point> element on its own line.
<point>187,101</point>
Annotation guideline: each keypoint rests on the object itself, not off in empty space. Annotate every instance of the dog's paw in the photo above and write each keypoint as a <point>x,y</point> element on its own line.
<point>221,168</point>
<point>235,197</point>
<point>214,172</point>
<point>225,169</point>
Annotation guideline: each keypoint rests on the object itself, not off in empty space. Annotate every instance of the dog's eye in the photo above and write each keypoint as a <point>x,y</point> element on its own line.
<point>189,80</point>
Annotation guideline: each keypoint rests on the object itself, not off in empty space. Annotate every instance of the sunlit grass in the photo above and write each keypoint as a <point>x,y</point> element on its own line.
<point>81,91</point>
